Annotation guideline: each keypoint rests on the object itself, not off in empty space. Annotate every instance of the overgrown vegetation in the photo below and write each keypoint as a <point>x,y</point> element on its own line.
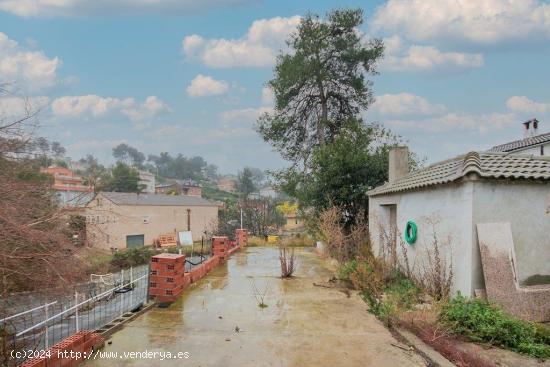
<point>343,242</point>
<point>482,322</point>
<point>131,257</point>
<point>388,292</point>
<point>35,249</point>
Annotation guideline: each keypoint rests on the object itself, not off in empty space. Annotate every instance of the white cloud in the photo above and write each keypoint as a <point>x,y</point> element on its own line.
<point>50,8</point>
<point>526,105</point>
<point>152,107</point>
<point>33,70</point>
<point>93,105</point>
<point>17,107</point>
<point>481,123</point>
<point>205,86</point>
<point>405,104</point>
<point>246,116</point>
<point>479,22</point>
<point>73,106</point>
<point>425,58</point>
<point>258,47</point>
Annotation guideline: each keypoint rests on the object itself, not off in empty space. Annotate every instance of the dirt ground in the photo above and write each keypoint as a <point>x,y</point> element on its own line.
<point>217,322</point>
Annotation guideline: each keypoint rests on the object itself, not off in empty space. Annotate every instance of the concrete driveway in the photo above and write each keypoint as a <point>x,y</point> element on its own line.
<point>217,322</point>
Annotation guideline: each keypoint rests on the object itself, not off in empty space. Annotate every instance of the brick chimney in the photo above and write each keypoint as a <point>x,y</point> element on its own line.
<point>530,128</point>
<point>399,163</point>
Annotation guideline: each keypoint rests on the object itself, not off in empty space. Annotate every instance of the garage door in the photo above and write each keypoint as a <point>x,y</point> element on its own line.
<point>136,240</point>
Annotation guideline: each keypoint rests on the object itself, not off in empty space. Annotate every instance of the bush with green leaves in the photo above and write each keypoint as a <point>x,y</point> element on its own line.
<point>387,291</point>
<point>132,257</point>
<point>482,322</point>
<point>346,269</point>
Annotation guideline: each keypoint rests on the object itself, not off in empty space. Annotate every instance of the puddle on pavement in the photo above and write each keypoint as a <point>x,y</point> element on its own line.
<point>217,321</point>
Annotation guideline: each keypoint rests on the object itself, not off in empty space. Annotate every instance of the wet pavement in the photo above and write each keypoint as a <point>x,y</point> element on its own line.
<point>217,322</point>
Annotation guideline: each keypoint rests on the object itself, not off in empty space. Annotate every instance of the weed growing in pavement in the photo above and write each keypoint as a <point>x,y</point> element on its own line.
<point>259,295</point>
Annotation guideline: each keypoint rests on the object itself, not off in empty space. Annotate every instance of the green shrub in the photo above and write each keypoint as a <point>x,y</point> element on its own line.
<point>346,269</point>
<point>404,293</point>
<point>482,322</point>
<point>132,257</point>
<point>390,295</point>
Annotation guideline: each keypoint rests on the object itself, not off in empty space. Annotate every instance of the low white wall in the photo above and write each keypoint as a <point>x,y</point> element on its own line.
<point>527,207</point>
<point>445,208</point>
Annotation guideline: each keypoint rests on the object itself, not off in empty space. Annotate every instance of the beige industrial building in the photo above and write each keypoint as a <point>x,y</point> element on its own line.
<point>120,220</point>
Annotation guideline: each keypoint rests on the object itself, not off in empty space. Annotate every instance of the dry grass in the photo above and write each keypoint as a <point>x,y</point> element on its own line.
<point>343,243</point>
<point>254,241</point>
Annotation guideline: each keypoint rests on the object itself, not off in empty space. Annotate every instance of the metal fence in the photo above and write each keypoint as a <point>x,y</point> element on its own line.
<point>92,306</point>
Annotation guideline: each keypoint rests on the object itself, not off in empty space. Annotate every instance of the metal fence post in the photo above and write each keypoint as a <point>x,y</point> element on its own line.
<point>147,282</point>
<point>46,335</point>
<point>131,285</point>
<point>122,294</point>
<point>76,311</point>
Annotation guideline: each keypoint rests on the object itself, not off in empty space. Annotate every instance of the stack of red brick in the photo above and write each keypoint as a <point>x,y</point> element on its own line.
<point>81,344</point>
<point>168,278</point>
<point>241,236</point>
<point>220,246</point>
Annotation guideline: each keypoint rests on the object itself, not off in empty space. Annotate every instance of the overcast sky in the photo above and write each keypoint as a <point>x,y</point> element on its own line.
<point>188,76</point>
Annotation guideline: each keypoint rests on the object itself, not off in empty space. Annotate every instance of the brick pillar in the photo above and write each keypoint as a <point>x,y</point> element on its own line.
<point>220,246</point>
<point>241,236</point>
<point>167,280</point>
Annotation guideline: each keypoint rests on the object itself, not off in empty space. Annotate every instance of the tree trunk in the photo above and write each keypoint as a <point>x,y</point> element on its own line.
<point>324,113</point>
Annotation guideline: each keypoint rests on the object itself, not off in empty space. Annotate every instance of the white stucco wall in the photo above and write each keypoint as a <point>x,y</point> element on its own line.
<point>450,207</point>
<point>526,206</point>
<point>535,150</point>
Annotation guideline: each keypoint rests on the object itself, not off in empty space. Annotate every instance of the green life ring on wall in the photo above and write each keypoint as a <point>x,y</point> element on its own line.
<point>410,232</point>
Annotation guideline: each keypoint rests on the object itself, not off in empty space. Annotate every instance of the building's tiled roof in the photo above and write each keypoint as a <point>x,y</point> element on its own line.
<point>125,198</point>
<point>521,144</point>
<point>486,165</point>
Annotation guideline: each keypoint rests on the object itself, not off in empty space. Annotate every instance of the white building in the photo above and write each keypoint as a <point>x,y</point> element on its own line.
<point>147,181</point>
<point>532,142</point>
<point>451,197</point>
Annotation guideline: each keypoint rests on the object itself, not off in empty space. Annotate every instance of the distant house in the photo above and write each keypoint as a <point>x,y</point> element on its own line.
<point>227,184</point>
<point>449,199</point>
<point>268,192</point>
<point>70,188</point>
<point>121,220</point>
<point>146,181</point>
<point>293,222</point>
<point>180,187</point>
<point>532,142</point>
<point>190,187</point>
